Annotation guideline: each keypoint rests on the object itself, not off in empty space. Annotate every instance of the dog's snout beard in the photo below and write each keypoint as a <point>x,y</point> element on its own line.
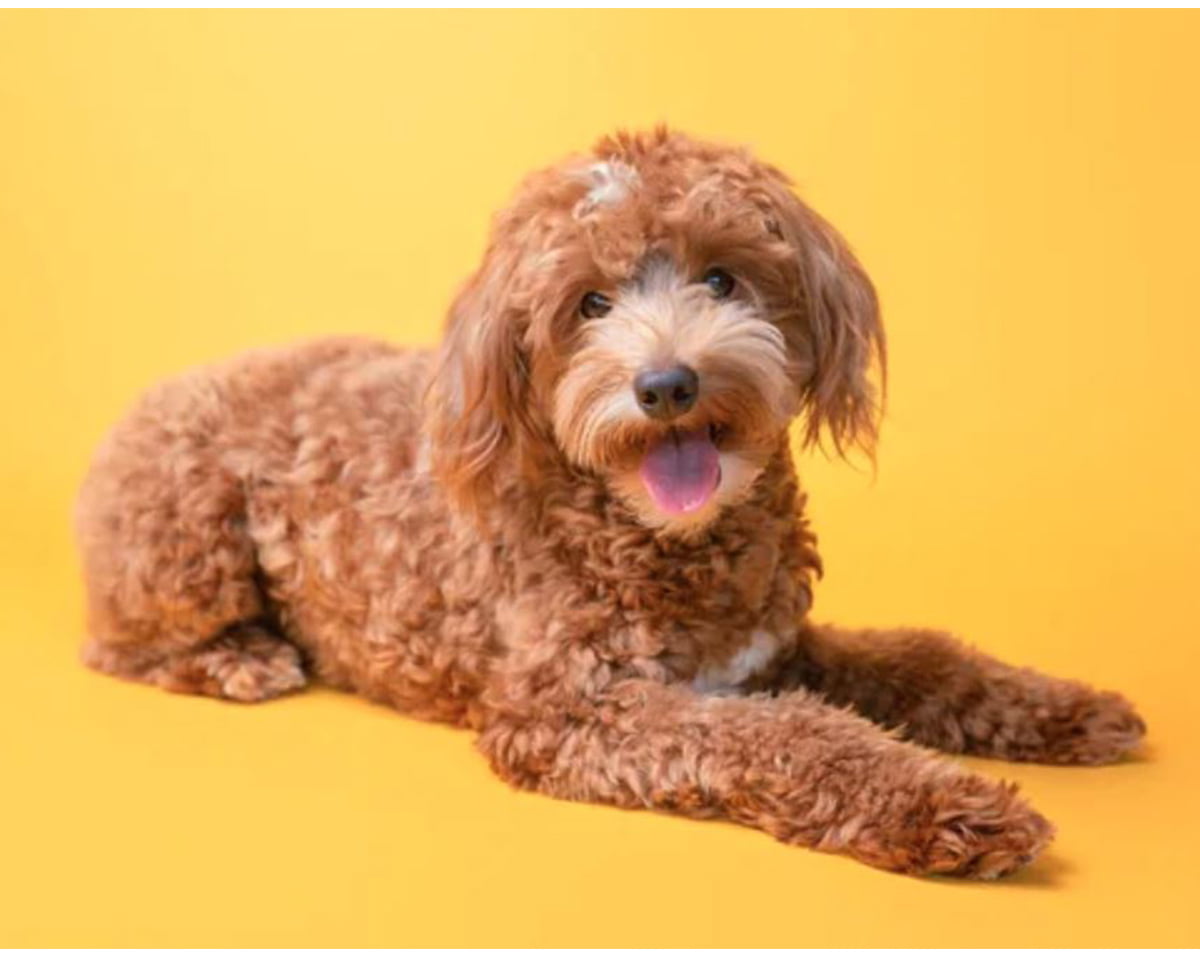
<point>678,409</point>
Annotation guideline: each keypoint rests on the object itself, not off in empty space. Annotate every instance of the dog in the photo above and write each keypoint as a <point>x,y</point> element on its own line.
<point>576,529</point>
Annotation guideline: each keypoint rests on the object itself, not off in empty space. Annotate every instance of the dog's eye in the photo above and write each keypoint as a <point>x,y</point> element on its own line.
<point>594,304</point>
<point>719,282</point>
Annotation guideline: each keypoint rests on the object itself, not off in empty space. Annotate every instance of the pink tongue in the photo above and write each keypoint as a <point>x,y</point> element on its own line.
<point>681,472</point>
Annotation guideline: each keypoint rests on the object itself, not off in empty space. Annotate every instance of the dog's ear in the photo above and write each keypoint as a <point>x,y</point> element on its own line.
<point>842,341</point>
<point>477,403</point>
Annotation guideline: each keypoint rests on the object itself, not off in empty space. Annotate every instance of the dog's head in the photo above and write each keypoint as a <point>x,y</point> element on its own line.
<point>656,314</point>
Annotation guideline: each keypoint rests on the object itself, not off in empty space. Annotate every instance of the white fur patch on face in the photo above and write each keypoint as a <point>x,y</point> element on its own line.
<point>610,182</point>
<point>758,652</point>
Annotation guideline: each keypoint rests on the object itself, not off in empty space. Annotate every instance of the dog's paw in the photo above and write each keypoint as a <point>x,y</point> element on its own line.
<point>981,829</point>
<point>247,663</point>
<point>255,665</point>
<point>955,824</point>
<point>1030,717</point>
<point>1090,728</point>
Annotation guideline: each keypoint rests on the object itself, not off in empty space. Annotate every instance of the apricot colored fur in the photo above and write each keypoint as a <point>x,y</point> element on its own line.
<point>462,536</point>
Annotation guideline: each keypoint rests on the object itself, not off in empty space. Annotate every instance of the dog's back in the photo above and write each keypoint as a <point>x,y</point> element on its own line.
<point>282,494</point>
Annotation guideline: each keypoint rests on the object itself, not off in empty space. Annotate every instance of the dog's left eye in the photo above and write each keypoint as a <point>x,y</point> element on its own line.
<point>594,304</point>
<point>719,282</point>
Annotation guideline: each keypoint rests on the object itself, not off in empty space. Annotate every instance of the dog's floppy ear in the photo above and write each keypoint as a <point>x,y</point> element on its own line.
<point>843,335</point>
<point>477,401</point>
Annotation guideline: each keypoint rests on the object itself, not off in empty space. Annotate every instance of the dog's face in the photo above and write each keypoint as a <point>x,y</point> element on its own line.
<point>656,314</point>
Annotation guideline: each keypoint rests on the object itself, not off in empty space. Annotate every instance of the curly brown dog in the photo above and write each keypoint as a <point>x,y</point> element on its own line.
<point>577,529</point>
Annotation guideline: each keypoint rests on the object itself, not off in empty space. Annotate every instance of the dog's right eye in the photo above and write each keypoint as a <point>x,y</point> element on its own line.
<point>594,304</point>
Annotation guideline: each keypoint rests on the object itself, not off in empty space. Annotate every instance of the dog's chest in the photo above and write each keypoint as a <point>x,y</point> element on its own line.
<point>718,624</point>
<point>728,672</point>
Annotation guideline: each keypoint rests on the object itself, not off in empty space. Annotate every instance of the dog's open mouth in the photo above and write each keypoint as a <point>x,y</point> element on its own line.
<point>682,469</point>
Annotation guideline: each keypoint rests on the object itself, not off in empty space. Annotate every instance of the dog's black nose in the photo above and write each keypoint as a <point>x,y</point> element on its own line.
<point>666,393</point>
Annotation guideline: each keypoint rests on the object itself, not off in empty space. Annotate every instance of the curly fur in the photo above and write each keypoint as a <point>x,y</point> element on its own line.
<point>463,536</point>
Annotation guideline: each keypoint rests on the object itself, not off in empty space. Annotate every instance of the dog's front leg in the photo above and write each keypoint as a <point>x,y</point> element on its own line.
<point>801,770</point>
<point>938,692</point>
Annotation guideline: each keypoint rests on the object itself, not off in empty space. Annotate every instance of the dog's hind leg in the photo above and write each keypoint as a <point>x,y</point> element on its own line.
<point>172,581</point>
<point>941,693</point>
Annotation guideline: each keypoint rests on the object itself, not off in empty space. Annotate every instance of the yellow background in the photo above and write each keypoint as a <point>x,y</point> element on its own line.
<point>1023,188</point>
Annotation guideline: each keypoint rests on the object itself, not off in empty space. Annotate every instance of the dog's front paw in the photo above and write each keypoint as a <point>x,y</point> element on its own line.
<point>1029,717</point>
<point>981,829</point>
<point>1089,728</point>
<point>955,825</point>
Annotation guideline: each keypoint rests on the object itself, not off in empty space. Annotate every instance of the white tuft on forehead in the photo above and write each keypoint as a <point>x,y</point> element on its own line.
<point>611,182</point>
